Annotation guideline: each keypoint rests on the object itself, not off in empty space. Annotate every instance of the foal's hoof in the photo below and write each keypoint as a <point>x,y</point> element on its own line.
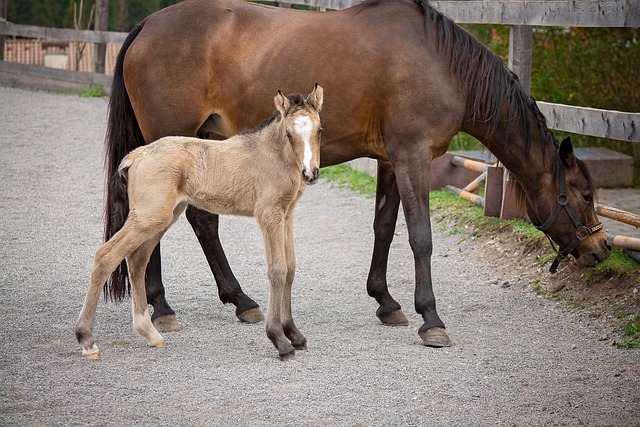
<point>395,318</point>
<point>92,356</point>
<point>167,323</point>
<point>253,315</point>
<point>435,337</point>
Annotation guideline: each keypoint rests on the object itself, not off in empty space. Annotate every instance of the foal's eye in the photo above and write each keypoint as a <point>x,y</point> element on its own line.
<point>320,130</point>
<point>288,135</point>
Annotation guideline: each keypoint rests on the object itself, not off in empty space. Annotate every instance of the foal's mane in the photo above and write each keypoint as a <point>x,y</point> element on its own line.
<point>485,79</point>
<point>297,101</point>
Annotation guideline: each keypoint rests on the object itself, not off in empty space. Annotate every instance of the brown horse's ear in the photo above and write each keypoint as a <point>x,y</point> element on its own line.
<point>566,152</point>
<point>282,103</point>
<point>316,96</point>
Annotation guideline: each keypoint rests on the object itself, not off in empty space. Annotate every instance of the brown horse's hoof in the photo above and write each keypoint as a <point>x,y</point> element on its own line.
<point>167,323</point>
<point>288,356</point>
<point>253,315</point>
<point>395,318</point>
<point>435,337</point>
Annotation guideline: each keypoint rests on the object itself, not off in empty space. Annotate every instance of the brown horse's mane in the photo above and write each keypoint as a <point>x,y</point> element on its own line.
<point>485,79</point>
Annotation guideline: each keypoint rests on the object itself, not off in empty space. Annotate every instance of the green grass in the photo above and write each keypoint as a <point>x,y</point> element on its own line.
<point>632,333</point>
<point>94,91</point>
<point>344,176</point>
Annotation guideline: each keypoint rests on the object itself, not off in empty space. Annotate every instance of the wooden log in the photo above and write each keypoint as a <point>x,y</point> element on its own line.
<point>474,185</point>
<point>618,215</point>
<point>469,164</point>
<point>466,195</point>
<point>624,242</point>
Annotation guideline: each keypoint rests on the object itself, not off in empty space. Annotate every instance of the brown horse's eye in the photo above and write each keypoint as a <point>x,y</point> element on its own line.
<point>588,197</point>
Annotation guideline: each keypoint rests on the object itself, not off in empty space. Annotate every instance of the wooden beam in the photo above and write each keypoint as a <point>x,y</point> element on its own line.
<point>9,29</point>
<point>582,13</point>
<point>43,78</point>
<point>592,121</point>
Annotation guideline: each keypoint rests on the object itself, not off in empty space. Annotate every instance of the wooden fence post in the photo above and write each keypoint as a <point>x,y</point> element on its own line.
<point>520,54</point>
<point>3,17</point>
<point>102,24</point>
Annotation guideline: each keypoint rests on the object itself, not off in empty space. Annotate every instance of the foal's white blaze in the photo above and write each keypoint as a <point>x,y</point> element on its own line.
<point>303,127</point>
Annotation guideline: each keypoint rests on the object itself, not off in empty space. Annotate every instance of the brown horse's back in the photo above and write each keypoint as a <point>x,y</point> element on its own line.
<point>203,66</point>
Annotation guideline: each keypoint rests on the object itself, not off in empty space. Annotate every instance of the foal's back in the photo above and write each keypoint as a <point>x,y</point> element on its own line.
<point>223,177</point>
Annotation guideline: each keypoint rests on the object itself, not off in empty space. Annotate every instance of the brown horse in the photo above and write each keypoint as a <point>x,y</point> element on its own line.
<point>403,80</point>
<point>260,173</point>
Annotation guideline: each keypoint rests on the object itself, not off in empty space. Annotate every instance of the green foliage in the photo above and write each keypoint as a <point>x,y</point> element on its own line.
<point>589,67</point>
<point>344,176</point>
<point>94,91</point>
<point>632,331</point>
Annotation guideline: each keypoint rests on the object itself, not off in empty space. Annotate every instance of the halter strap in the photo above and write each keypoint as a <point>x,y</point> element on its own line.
<point>582,232</point>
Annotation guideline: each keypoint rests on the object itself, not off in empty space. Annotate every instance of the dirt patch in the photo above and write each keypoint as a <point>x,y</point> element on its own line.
<point>604,301</point>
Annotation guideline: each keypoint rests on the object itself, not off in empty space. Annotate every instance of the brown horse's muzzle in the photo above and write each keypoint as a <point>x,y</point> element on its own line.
<point>592,250</point>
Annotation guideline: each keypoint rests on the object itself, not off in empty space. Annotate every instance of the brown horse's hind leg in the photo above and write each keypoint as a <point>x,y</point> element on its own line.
<point>386,214</point>
<point>164,318</point>
<point>205,225</point>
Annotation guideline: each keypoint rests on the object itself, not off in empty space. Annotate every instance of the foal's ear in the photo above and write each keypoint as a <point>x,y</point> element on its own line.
<point>315,97</point>
<point>282,103</point>
<point>566,152</point>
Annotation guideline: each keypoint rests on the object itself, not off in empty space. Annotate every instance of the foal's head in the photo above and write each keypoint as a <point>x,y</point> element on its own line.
<point>301,118</point>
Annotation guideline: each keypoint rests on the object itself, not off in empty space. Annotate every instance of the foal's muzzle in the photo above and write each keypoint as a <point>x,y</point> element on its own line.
<point>310,177</point>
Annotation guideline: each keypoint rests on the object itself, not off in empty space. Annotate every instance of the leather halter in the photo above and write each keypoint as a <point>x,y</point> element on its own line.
<point>582,231</point>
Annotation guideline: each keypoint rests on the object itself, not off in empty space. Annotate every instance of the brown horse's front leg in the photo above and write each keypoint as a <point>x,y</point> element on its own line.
<point>205,226</point>
<point>384,224</point>
<point>412,174</point>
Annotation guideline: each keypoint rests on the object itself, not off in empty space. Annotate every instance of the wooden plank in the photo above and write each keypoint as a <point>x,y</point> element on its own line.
<point>583,13</point>
<point>37,77</point>
<point>592,121</point>
<point>9,29</point>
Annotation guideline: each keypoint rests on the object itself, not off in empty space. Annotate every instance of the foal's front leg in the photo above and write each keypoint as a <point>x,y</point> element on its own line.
<point>273,229</point>
<point>298,340</point>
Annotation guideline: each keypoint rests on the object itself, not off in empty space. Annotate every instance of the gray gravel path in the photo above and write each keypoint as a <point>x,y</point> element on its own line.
<point>516,359</point>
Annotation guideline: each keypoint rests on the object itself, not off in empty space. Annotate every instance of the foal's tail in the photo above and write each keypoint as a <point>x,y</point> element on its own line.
<point>123,135</point>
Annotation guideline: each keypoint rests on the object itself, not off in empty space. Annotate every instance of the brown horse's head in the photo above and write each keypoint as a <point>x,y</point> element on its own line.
<point>302,122</point>
<point>564,210</point>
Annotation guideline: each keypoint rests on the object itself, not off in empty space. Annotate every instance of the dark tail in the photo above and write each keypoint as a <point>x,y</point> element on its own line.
<point>123,135</point>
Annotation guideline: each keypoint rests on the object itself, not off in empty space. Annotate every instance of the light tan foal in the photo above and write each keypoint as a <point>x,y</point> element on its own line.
<point>260,173</point>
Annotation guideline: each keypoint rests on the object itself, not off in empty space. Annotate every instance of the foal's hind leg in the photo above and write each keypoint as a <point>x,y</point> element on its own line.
<point>384,224</point>
<point>107,259</point>
<point>205,225</point>
<point>142,323</point>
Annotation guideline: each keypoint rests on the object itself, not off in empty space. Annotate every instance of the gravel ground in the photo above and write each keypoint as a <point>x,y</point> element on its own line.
<point>516,359</point>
